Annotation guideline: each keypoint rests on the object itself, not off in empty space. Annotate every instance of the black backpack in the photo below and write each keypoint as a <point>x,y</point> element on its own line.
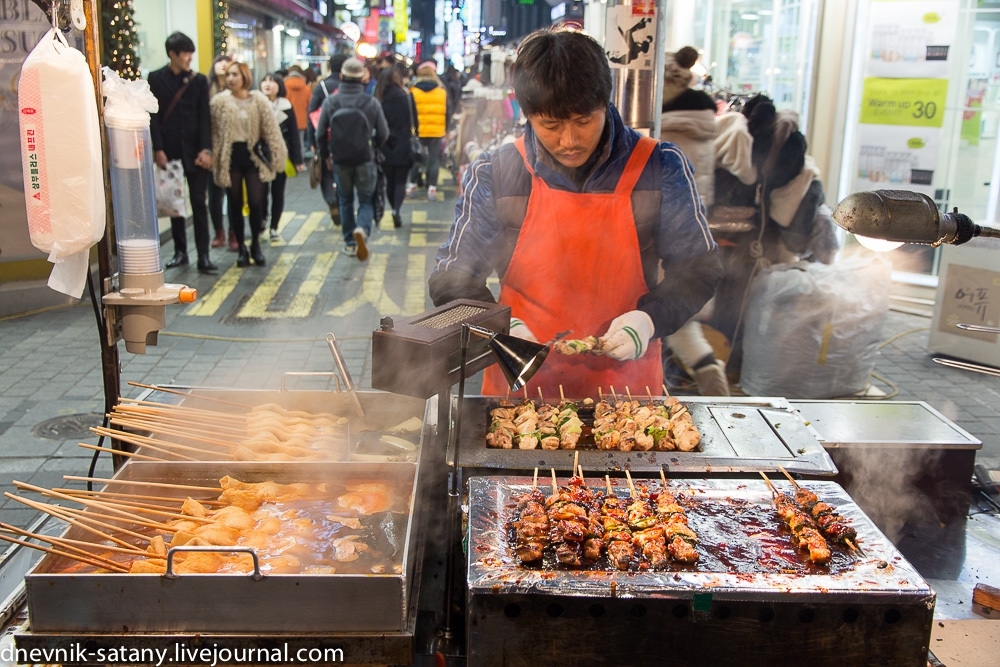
<point>351,136</point>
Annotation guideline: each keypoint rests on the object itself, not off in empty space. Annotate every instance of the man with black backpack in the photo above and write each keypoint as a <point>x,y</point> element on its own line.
<point>322,90</point>
<point>357,128</point>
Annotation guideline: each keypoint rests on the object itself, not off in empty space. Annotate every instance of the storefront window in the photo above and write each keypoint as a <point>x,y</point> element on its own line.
<point>760,46</point>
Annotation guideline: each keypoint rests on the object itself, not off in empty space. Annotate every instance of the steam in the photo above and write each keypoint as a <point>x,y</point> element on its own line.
<point>883,482</point>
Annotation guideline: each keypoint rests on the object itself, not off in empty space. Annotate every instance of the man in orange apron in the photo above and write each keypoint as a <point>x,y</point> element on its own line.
<point>591,227</point>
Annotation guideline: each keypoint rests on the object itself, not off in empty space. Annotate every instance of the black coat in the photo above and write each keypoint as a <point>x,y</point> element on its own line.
<point>188,129</point>
<point>331,83</point>
<point>290,133</point>
<point>398,108</point>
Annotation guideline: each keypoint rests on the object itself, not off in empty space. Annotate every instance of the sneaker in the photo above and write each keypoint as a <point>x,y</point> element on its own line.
<point>411,190</point>
<point>432,193</point>
<point>350,250</point>
<point>362,240</point>
<point>274,235</point>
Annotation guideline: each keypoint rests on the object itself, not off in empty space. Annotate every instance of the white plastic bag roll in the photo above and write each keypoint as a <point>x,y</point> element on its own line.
<point>61,159</point>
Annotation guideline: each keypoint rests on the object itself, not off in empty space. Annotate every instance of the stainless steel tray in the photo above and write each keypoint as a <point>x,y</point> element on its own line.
<point>228,603</point>
<point>382,411</point>
<point>738,435</point>
<point>724,537</point>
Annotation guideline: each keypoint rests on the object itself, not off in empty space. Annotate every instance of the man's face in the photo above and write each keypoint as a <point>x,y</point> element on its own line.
<point>180,61</point>
<point>570,141</point>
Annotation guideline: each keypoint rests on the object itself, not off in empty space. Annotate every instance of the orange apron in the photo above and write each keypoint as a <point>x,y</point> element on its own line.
<point>577,266</point>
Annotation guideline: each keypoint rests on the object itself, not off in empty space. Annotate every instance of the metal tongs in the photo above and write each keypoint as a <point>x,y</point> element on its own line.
<point>345,374</point>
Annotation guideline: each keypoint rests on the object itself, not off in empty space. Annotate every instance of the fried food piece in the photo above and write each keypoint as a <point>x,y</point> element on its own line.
<point>192,507</point>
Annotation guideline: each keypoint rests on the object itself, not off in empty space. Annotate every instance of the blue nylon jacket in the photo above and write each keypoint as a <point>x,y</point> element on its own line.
<point>680,259</point>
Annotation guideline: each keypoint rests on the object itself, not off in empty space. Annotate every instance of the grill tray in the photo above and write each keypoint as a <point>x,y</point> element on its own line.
<point>738,435</point>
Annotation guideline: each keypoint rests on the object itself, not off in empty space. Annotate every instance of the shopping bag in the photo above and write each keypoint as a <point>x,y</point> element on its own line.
<point>170,201</point>
<point>290,170</point>
<point>419,150</point>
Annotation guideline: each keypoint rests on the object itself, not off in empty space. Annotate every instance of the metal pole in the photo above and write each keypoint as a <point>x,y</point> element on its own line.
<point>110,366</point>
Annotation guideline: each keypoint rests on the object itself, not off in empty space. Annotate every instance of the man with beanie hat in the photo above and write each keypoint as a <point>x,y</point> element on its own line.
<point>322,90</point>
<point>357,128</point>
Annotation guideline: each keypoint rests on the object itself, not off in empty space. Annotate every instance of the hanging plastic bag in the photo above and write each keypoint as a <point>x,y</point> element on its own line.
<point>170,188</point>
<point>812,330</point>
<point>61,159</point>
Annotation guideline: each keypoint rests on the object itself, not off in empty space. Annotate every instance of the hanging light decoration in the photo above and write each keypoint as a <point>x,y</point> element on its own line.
<point>220,31</point>
<point>119,38</point>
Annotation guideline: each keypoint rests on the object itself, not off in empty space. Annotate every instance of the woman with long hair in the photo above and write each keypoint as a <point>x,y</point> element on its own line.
<point>247,150</point>
<point>273,87</point>
<point>400,114</point>
<point>216,195</point>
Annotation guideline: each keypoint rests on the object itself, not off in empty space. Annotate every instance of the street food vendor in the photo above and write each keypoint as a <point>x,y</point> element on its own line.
<point>593,229</point>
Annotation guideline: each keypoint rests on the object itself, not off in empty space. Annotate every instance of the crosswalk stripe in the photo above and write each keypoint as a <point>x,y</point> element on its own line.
<point>212,301</point>
<point>372,291</point>
<point>308,227</point>
<point>416,281</point>
<point>309,288</point>
<point>418,216</point>
<point>256,305</point>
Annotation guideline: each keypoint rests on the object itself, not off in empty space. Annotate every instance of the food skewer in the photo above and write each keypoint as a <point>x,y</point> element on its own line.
<point>104,565</point>
<point>55,542</point>
<point>567,525</point>
<point>164,446</point>
<point>70,517</point>
<point>120,452</point>
<point>163,428</point>
<point>139,406</point>
<point>162,485</point>
<point>68,541</point>
<point>562,396</point>
<point>589,500</point>
<point>680,538</point>
<point>187,393</point>
<point>646,533</point>
<point>532,525</point>
<point>132,496</point>
<point>830,523</point>
<point>805,532</point>
<point>617,535</point>
<point>98,504</point>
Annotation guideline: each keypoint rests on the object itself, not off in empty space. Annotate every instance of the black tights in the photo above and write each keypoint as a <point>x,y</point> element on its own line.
<point>276,190</point>
<point>242,170</point>
<point>395,186</point>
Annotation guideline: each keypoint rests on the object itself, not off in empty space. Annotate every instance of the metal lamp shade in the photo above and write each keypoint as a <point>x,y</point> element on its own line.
<point>519,359</point>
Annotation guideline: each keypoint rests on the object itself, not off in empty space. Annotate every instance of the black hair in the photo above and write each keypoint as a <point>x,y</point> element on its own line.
<point>178,42</point>
<point>336,62</point>
<point>278,79</point>
<point>686,57</point>
<point>390,76</point>
<point>561,74</point>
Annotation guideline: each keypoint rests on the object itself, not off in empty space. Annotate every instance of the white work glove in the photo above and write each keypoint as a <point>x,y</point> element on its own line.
<point>628,336</point>
<point>519,329</point>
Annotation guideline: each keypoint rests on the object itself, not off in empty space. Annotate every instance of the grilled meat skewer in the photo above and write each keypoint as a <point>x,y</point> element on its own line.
<point>804,530</point>
<point>830,523</point>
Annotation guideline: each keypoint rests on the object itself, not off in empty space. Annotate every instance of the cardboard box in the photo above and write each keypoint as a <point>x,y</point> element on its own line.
<point>968,292</point>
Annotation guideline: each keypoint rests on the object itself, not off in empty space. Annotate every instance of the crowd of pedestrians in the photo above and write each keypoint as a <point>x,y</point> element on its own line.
<point>240,143</point>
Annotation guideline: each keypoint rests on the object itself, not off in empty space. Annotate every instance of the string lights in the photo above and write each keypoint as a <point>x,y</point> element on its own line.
<point>119,38</point>
<point>220,31</point>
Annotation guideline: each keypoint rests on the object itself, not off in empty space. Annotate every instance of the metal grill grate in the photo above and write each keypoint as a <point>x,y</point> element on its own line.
<point>456,315</point>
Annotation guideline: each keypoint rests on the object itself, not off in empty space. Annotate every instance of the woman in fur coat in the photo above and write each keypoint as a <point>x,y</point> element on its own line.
<point>244,129</point>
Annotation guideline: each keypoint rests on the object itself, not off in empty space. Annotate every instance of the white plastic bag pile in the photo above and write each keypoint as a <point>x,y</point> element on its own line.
<point>61,159</point>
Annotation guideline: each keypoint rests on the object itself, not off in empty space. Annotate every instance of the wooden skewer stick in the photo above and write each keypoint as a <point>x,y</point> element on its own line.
<point>607,483</point>
<point>650,394</point>
<point>189,394</point>
<point>790,478</point>
<point>666,394</point>
<point>107,507</point>
<point>119,505</point>
<point>631,486</point>
<point>534,482</point>
<point>161,485</point>
<point>179,418</point>
<point>525,393</point>
<point>172,408</point>
<point>614,394</point>
<point>600,394</point>
<point>767,481</point>
<point>65,554</point>
<point>855,547</point>
<point>663,478</point>
<point>138,440</point>
<point>63,514</point>
<point>164,446</point>
<point>134,496</point>
<point>68,541</point>
<point>628,393</point>
<point>555,486</point>
<point>576,461</point>
<point>54,541</point>
<point>562,396</point>
<point>541,399</point>
<point>83,515</point>
<point>161,428</point>
<point>119,452</point>
<point>124,503</point>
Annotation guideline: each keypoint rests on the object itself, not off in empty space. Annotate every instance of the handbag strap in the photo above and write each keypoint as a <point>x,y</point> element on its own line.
<point>409,110</point>
<point>177,97</point>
